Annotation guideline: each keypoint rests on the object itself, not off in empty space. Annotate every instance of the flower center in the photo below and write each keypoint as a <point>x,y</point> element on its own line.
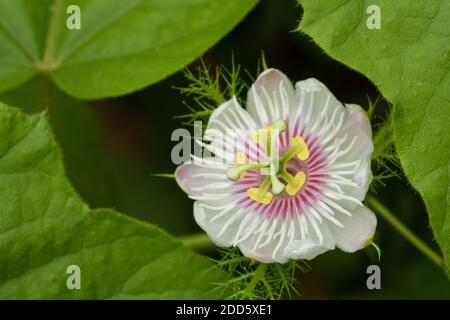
<point>277,167</point>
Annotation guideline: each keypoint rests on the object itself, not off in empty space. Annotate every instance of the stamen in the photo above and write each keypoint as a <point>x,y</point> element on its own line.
<point>235,172</point>
<point>277,186</point>
<point>298,148</point>
<point>294,183</point>
<point>279,125</point>
<point>300,179</point>
<point>303,154</point>
<point>288,155</point>
<point>263,135</point>
<point>253,193</point>
<point>261,194</point>
<point>241,158</point>
<point>288,177</point>
<point>264,187</point>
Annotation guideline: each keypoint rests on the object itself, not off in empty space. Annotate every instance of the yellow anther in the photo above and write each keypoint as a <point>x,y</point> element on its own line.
<point>255,194</point>
<point>240,158</point>
<point>304,151</point>
<point>262,135</point>
<point>293,188</point>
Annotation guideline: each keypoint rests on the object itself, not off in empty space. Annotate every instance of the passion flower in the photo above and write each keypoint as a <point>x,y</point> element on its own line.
<point>292,199</point>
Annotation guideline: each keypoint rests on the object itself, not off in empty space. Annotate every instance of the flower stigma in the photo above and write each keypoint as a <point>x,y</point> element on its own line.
<point>271,184</point>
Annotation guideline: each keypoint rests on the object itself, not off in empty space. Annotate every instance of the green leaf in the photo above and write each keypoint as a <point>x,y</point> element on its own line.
<point>122,46</point>
<point>45,227</point>
<point>409,60</point>
<point>97,164</point>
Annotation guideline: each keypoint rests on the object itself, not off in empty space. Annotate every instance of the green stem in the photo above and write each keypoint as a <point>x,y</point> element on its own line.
<point>204,113</point>
<point>257,277</point>
<point>289,179</point>
<point>379,208</point>
<point>235,172</point>
<point>163,175</point>
<point>199,242</point>
<point>264,186</point>
<point>46,64</point>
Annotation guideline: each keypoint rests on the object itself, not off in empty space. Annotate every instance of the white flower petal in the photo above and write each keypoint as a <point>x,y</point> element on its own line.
<point>230,115</point>
<point>363,178</point>
<point>358,229</point>
<point>296,248</point>
<point>315,108</point>
<point>194,179</point>
<point>229,129</point>
<point>270,98</point>
<point>357,124</point>
<point>359,119</point>
<point>220,229</point>
<point>344,131</point>
<point>306,249</point>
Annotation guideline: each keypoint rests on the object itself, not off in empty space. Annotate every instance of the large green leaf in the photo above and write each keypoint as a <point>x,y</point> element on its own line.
<point>122,46</point>
<point>45,227</point>
<point>409,60</point>
<point>97,158</point>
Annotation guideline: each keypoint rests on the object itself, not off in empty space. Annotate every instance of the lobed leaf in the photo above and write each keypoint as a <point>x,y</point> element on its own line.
<point>122,46</point>
<point>408,58</point>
